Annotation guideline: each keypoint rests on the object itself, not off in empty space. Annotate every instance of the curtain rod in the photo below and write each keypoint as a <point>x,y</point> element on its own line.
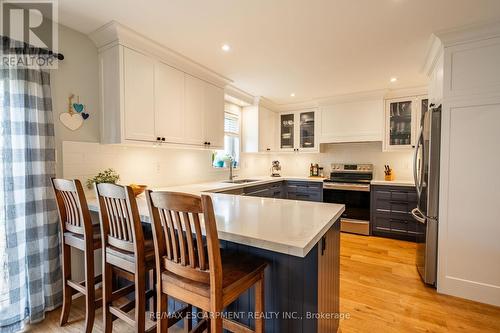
<point>29,49</point>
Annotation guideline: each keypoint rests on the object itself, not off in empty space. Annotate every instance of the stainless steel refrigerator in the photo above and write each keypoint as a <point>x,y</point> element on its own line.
<point>426,173</point>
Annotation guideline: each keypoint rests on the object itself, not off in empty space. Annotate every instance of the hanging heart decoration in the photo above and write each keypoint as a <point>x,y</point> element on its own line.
<point>85,115</point>
<point>78,107</point>
<point>73,121</point>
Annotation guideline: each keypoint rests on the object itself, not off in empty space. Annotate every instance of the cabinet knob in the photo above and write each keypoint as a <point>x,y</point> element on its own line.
<point>158,138</point>
<point>163,139</point>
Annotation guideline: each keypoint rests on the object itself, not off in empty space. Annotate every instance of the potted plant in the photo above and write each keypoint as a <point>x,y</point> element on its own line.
<point>106,176</point>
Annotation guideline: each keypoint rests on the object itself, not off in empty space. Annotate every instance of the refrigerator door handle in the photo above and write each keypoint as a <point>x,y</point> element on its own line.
<point>415,163</point>
<point>417,214</point>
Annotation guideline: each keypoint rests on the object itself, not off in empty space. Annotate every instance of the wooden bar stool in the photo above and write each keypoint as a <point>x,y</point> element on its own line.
<point>194,273</point>
<point>126,252</point>
<point>78,232</point>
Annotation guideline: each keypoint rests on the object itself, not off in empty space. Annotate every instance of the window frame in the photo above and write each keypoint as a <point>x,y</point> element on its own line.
<point>228,109</point>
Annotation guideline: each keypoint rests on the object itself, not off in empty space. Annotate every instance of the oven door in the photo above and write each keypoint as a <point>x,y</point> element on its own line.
<point>356,217</point>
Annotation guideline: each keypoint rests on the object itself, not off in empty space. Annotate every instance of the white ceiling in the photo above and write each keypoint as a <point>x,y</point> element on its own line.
<point>314,48</point>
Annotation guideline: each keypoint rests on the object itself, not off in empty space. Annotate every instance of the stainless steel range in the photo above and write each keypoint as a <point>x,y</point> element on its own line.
<point>349,184</point>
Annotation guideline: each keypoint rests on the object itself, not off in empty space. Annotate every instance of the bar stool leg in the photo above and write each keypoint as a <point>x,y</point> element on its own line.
<point>107,289</point>
<point>90,289</point>
<point>67,291</point>
<point>140,301</point>
<point>162,308</point>
<point>152,300</point>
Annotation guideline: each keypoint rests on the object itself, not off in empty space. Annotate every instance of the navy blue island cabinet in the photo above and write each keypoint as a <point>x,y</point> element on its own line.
<point>301,294</point>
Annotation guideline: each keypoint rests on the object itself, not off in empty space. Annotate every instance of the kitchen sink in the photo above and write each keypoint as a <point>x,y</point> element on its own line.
<point>240,181</point>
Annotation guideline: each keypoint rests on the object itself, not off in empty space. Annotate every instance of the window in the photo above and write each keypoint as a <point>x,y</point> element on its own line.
<point>231,150</point>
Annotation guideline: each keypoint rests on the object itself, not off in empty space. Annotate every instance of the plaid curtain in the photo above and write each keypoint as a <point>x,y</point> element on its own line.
<point>30,270</point>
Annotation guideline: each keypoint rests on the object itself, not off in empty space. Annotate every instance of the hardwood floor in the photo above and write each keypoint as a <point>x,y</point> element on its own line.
<point>379,288</point>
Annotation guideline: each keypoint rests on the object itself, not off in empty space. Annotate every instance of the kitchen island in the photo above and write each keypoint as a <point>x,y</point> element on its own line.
<point>299,239</point>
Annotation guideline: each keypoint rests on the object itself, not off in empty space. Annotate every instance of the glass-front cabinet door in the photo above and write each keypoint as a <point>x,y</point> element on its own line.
<point>402,122</point>
<point>298,131</point>
<point>287,131</point>
<point>307,130</point>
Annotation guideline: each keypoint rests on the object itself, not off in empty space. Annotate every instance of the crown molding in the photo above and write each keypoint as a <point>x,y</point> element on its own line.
<point>353,97</point>
<point>434,51</point>
<point>114,33</point>
<point>456,36</point>
<point>406,92</point>
<point>240,94</point>
<point>469,33</point>
<point>360,96</point>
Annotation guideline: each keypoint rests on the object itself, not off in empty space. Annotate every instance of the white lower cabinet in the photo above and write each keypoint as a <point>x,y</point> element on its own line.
<point>146,100</point>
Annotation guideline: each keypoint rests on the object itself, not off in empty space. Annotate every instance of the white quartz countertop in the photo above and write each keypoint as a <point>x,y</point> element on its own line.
<point>393,182</point>
<point>222,186</point>
<point>286,226</point>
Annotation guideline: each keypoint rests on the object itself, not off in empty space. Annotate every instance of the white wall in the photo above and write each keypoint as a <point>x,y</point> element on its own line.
<point>297,164</point>
<point>76,74</point>
<point>150,165</point>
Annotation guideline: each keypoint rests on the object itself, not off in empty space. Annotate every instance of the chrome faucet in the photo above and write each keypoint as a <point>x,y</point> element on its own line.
<point>231,175</point>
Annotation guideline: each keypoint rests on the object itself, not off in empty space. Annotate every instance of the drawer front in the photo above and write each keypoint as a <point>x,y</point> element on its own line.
<point>306,186</point>
<point>391,212</point>
<point>396,224</point>
<point>395,194</point>
<point>255,189</point>
<point>307,191</point>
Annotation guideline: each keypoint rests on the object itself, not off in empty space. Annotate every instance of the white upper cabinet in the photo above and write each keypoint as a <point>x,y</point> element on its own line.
<point>214,116</point>
<point>139,108</point>
<point>145,100</point>
<point>268,121</point>
<point>354,121</point>
<point>299,131</point>
<point>402,122</point>
<point>259,126</point>
<point>169,103</point>
<point>193,112</point>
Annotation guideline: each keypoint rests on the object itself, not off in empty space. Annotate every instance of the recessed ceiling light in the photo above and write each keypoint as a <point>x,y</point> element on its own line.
<point>393,79</point>
<point>226,47</point>
<point>292,95</point>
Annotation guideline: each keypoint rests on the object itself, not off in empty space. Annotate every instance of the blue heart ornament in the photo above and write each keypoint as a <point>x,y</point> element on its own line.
<point>78,107</point>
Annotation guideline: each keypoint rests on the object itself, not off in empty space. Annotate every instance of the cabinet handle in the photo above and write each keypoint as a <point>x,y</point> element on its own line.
<point>323,244</point>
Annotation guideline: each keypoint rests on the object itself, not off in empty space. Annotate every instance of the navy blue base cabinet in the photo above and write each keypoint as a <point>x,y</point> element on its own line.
<point>296,289</point>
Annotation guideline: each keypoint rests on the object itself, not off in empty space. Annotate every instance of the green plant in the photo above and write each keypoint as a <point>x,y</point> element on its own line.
<point>106,176</point>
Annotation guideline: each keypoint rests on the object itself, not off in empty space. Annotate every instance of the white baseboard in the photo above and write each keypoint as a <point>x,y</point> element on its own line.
<point>476,291</point>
